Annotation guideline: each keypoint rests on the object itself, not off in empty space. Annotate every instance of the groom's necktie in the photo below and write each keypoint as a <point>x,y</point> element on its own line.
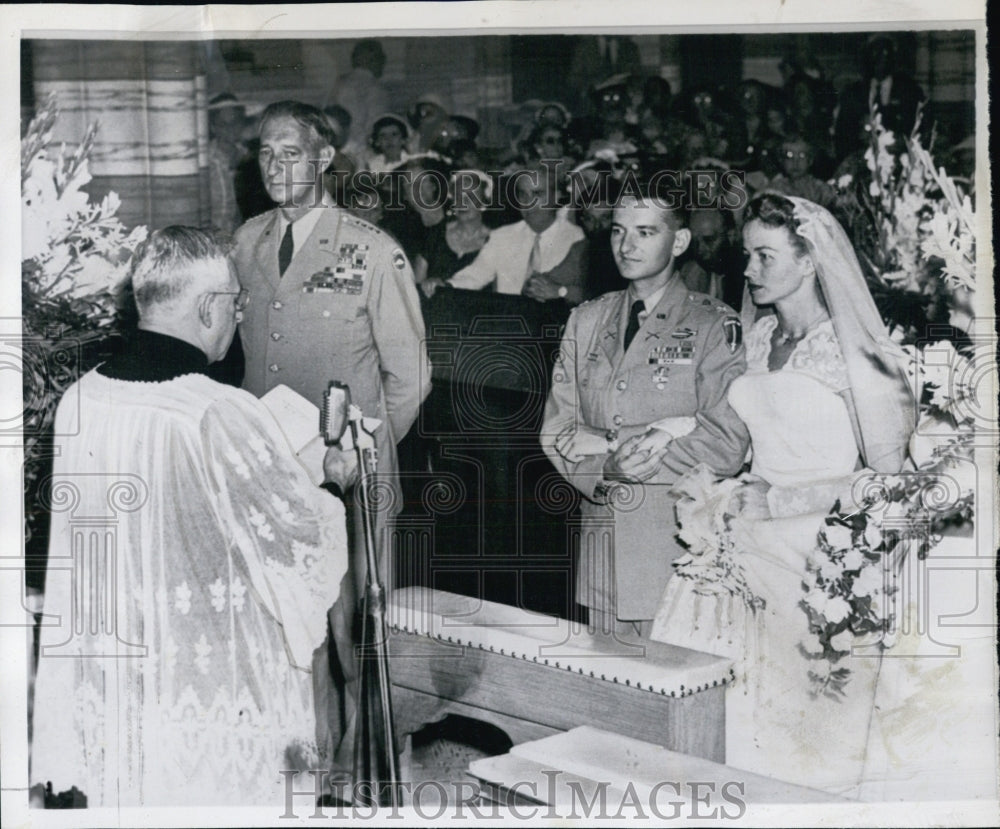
<point>638,307</point>
<point>286,250</point>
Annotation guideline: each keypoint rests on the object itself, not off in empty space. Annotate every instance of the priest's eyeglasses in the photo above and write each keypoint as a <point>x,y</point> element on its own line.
<point>242,297</point>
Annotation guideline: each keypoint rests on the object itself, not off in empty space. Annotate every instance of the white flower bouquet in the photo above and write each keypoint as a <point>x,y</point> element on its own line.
<point>845,596</point>
<point>913,227</point>
<point>75,256</point>
<point>711,563</point>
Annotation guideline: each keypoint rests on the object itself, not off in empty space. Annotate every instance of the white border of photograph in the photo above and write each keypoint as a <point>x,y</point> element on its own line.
<point>415,19</point>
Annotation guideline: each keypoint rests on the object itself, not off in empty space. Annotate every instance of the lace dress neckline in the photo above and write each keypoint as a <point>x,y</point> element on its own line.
<point>816,354</point>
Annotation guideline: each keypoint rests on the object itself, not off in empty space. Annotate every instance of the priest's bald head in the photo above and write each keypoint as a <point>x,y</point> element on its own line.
<point>185,287</point>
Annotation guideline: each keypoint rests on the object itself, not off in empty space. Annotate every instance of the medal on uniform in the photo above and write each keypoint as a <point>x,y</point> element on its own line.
<point>347,276</point>
<point>680,354</point>
<point>660,376</point>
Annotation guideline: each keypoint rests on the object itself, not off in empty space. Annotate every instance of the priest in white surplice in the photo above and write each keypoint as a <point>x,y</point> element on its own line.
<point>191,565</point>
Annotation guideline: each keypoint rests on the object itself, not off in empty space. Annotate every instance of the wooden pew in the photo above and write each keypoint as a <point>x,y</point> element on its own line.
<point>533,675</point>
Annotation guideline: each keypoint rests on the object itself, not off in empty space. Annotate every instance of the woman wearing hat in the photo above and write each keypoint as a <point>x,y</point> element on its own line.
<point>388,142</point>
<point>450,246</point>
<point>427,115</point>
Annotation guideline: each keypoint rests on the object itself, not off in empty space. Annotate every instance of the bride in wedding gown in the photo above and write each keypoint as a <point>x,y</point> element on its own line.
<point>824,397</point>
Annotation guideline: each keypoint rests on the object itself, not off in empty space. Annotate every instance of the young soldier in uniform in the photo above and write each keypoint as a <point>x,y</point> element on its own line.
<point>332,298</point>
<point>638,398</point>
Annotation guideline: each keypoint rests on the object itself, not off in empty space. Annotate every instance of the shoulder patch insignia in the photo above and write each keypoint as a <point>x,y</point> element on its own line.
<point>733,329</point>
<point>399,259</point>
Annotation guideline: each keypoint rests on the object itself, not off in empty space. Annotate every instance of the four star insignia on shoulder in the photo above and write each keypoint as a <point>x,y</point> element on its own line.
<point>357,221</point>
<point>733,329</point>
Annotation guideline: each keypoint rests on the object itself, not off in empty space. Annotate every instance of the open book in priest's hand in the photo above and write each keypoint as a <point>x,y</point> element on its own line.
<point>298,420</point>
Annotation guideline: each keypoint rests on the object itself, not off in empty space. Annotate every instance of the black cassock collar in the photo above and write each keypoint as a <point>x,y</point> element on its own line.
<point>149,357</point>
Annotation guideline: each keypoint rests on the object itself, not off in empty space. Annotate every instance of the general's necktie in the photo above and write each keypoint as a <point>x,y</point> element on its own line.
<point>286,250</point>
<point>633,321</point>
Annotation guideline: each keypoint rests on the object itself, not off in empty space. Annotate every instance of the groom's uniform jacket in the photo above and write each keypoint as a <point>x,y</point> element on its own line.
<point>680,363</point>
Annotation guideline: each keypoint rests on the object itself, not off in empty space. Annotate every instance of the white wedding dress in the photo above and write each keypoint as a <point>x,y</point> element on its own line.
<point>804,446</point>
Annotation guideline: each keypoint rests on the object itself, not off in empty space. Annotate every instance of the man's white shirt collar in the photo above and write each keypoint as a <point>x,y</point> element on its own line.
<point>651,301</point>
<point>301,227</point>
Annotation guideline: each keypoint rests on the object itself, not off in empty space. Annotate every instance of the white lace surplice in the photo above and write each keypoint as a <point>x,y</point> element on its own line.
<point>804,446</point>
<point>226,559</point>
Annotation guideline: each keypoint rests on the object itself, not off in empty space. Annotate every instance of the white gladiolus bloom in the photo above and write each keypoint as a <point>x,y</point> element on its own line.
<point>839,537</point>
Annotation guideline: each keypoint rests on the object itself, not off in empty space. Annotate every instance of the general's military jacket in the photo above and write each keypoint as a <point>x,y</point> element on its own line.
<point>345,309</point>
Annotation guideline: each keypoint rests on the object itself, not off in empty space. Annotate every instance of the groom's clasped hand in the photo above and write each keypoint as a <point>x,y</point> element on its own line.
<point>638,458</point>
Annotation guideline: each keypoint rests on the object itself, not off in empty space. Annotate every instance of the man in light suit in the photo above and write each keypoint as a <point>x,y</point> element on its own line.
<point>638,398</point>
<point>542,256</point>
<point>332,297</point>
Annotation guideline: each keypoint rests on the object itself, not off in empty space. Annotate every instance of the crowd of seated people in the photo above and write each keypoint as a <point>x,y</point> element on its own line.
<point>397,169</point>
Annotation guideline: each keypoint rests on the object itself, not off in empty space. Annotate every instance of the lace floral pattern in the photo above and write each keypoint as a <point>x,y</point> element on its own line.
<point>758,344</point>
<point>231,738</point>
<point>817,354</point>
<point>204,691</point>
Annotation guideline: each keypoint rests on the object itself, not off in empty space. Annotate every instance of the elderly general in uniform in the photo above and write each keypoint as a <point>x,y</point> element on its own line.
<point>332,298</point>
<point>638,398</point>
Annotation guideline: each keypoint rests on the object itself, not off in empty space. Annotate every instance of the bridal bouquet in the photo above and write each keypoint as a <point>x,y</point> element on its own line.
<point>846,596</point>
<point>711,562</point>
<point>847,584</point>
<point>941,492</point>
